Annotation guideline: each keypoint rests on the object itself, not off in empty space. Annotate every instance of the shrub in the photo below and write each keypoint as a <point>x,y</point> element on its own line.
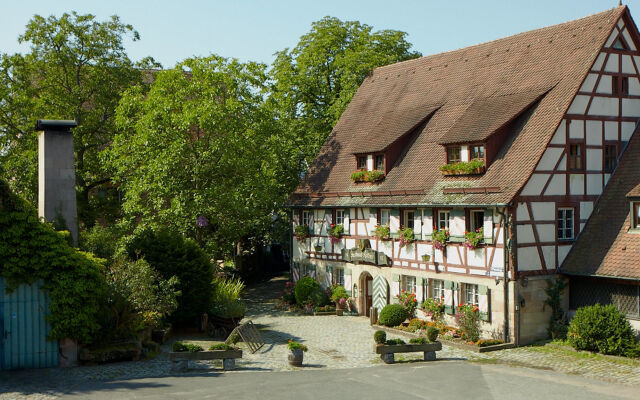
<point>603,329</point>
<point>305,288</point>
<point>338,292</point>
<point>432,333</point>
<point>288,294</point>
<point>225,301</point>
<point>434,308</point>
<point>222,346</point>
<point>296,346</point>
<point>395,342</point>
<point>100,240</point>
<point>172,254</point>
<point>320,298</point>
<point>380,337</point>
<point>468,318</point>
<point>408,301</point>
<point>191,348</point>
<point>419,340</point>
<point>392,315</point>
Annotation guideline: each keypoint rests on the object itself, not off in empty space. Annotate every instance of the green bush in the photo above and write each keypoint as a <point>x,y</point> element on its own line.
<point>603,329</point>
<point>338,292</point>
<point>100,240</point>
<point>305,289</point>
<point>191,348</point>
<point>419,340</point>
<point>432,333</point>
<point>380,337</point>
<point>320,297</point>
<point>222,346</point>
<point>31,250</point>
<point>395,341</point>
<point>172,254</point>
<point>226,301</point>
<point>392,315</point>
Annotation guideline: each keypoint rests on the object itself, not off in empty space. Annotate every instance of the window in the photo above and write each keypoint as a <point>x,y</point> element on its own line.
<point>470,294</point>
<point>305,217</point>
<point>338,276</point>
<point>443,220</point>
<point>625,86</point>
<point>576,161</point>
<point>635,223</point>
<point>565,223</point>
<point>477,152</point>
<point>379,165</point>
<point>339,217</point>
<point>437,289</point>
<point>453,155</point>
<point>614,85</point>
<point>619,45</point>
<point>409,283</point>
<point>384,217</point>
<point>610,157</point>
<point>476,221</point>
<point>409,218</point>
<point>362,162</point>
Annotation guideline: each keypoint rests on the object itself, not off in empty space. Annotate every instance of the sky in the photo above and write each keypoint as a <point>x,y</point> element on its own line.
<point>253,30</point>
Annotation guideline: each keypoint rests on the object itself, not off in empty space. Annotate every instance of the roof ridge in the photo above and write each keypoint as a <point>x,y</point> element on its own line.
<point>412,62</point>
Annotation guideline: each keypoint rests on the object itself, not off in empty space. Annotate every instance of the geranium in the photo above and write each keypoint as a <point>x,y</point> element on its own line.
<point>301,232</point>
<point>408,300</point>
<point>434,308</point>
<point>406,236</point>
<point>473,239</point>
<point>382,232</point>
<point>335,232</point>
<point>440,239</point>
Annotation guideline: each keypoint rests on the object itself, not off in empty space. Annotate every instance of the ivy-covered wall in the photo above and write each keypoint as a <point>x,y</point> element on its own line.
<point>32,250</point>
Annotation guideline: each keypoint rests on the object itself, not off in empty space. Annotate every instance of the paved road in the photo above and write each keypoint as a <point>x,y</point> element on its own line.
<point>437,380</point>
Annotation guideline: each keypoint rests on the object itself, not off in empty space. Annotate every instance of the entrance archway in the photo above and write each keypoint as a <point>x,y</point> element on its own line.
<point>365,283</point>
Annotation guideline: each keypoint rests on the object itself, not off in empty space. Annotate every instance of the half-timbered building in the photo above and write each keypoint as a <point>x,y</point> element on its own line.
<point>514,140</point>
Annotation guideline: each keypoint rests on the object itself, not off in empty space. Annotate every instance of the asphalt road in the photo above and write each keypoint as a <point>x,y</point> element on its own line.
<point>419,380</point>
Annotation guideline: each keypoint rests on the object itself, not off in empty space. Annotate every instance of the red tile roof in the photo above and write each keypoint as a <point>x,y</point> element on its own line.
<point>457,82</point>
<point>606,246</point>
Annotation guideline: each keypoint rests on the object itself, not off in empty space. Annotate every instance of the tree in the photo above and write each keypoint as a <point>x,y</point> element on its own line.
<point>75,69</point>
<point>314,82</point>
<point>201,153</point>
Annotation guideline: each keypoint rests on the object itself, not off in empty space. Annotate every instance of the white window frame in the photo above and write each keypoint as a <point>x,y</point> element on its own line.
<point>564,228</point>
<point>437,289</point>
<point>409,284</point>
<point>447,215</point>
<point>337,278</point>
<point>471,295</point>
<point>306,217</point>
<point>472,220</point>
<point>339,217</point>
<point>385,212</point>
<point>406,218</point>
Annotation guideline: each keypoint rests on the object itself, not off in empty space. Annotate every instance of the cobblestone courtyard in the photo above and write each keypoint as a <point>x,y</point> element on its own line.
<point>334,342</point>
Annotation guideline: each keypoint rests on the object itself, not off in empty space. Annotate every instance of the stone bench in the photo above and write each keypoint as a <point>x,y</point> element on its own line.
<point>180,360</point>
<point>387,351</point>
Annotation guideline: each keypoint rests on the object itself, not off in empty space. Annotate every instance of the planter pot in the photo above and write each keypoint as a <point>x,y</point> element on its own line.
<point>426,258</point>
<point>296,357</point>
<point>318,249</point>
<point>339,311</point>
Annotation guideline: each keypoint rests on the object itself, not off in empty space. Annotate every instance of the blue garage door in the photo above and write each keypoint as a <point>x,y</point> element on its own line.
<point>23,329</point>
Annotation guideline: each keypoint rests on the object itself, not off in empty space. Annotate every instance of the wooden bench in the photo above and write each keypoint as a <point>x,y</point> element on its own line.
<point>180,360</point>
<point>387,351</point>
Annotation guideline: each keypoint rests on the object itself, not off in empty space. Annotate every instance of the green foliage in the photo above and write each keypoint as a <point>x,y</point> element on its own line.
<point>557,323</point>
<point>367,176</point>
<point>406,236</point>
<point>382,232</point>
<point>296,346</point>
<point>301,232</point>
<point>222,346</point>
<point>320,297</point>
<point>392,315</point>
<point>440,238</point>
<point>603,329</point>
<point>432,333</point>
<point>233,338</point>
<point>338,292</point>
<point>463,168</point>
<point>31,250</point>
<point>226,301</point>
<point>305,289</point>
<point>76,68</point>
<point>395,342</point>
<point>315,81</point>
<point>173,255</point>
<point>434,308</point>
<point>473,238</point>
<point>468,319</point>
<point>380,337</point>
<point>327,308</point>
<point>335,232</point>
<point>489,342</point>
<point>419,340</point>
<point>100,240</point>
<point>191,348</point>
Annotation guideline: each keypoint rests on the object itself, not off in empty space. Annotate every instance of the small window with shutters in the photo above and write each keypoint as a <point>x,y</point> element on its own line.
<point>576,157</point>
<point>362,162</point>
<point>453,155</point>
<point>610,157</point>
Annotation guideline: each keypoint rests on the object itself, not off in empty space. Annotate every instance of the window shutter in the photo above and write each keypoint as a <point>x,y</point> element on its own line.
<point>347,280</point>
<point>484,297</point>
<point>395,278</point>
<point>417,224</point>
<point>448,297</point>
<point>419,290</point>
<point>394,220</point>
<point>347,224</point>
<point>487,228</point>
<point>328,272</point>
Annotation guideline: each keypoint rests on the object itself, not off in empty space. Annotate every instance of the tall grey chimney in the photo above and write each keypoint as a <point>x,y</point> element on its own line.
<point>57,174</point>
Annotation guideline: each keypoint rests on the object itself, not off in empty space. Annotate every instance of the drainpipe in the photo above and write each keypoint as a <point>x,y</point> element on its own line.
<point>505,218</point>
<point>291,245</point>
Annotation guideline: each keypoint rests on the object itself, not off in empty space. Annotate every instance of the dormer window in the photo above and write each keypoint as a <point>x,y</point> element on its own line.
<point>362,162</point>
<point>379,162</point>
<point>453,155</point>
<point>635,217</point>
<point>476,152</point>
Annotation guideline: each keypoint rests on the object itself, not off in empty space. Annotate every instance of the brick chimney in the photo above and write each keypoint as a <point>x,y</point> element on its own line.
<point>57,174</point>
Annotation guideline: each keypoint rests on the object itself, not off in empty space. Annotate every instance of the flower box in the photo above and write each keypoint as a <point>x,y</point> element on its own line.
<point>473,167</point>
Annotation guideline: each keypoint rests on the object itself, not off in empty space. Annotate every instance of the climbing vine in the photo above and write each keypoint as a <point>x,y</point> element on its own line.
<point>31,250</point>
<point>557,323</point>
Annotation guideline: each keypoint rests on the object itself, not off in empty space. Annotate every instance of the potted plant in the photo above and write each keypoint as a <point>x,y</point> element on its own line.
<point>440,239</point>
<point>317,248</point>
<point>297,353</point>
<point>426,257</point>
<point>473,239</point>
<point>335,232</point>
<point>301,232</point>
<point>406,236</point>
<point>382,232</point>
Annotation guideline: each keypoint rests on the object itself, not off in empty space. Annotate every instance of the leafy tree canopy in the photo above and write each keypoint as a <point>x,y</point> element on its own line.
<point>75,69</point>
<point>314,82</point>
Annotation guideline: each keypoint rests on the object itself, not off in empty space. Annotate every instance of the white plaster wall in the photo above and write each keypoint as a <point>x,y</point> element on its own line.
<point>498,259</point>
<point>594,133</point>
<point>385,247</point>
<point>586,208</point>
<point>611,38</point>
<point>535,184</point>
<point>627,38</point>
<point>594,159</point>
<point>423,249</point>
<point>594,184</point>
<point>597,64</point>
<point>612,63</point>
<point>452,255</point>
<point>634,86</point>
<point>576,184</point>
<point>525,234</point>
<point>626,131</point>
<point>543,211</point>
<point>560,135</point>
<point>522,212</point>
<point>408,251</point>
<point>549,159</point>
<point>605,106</point>
<point>579,105</point>
<point>528,259</point>
<point>610,130</point>
<point>606,178</point>
<point>464,153</point>
<point>627,65</point>
<point>563,163</point>
<point>373,221</point>
<point>475,257</point>
<point>546,232</point>
<point>549,254</point>
<point>438,256</point>
<point>562,253</point>
<point>457,226</point>
<point>604,85</point>
<point>350,243</point>
<point>417,222</point>
<point>589,83</point>
<point>557,186</point>
<point>631,107</point>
